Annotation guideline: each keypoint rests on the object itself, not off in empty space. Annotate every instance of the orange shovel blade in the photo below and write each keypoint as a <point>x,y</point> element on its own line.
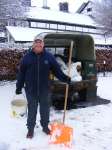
<point>61,134</point>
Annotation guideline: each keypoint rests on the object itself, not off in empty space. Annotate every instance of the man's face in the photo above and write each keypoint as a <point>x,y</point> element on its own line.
<point>38,46</point>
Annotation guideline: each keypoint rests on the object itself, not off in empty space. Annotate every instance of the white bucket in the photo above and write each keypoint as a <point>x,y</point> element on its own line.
<point>18,107</point>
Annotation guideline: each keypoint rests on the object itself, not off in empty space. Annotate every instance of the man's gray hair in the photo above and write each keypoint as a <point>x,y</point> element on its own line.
<point>40,36</point>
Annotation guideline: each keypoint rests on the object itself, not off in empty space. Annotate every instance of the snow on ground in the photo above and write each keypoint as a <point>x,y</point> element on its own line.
<point>92,125</point>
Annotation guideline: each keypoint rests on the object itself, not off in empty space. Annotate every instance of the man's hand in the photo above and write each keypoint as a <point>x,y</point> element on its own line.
<point>18,91</point>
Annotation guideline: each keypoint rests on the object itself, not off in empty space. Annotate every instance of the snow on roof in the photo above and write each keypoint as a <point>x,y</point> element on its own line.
<point>23,34</point>
<point>63,17</point>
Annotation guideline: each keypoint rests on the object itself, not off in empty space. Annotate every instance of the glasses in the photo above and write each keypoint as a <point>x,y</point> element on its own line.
<point>38,41</point>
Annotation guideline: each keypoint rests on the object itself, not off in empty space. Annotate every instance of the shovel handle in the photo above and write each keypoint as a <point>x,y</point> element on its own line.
<point>67,86</point>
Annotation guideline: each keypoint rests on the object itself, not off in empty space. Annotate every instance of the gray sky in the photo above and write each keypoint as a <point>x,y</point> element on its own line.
<point>73,4</point>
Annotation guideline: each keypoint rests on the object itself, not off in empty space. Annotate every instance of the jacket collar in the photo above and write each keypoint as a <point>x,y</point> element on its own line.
<point>38,54</point>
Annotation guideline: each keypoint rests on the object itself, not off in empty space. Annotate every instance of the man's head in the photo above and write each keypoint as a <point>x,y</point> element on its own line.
<point>38,44</point>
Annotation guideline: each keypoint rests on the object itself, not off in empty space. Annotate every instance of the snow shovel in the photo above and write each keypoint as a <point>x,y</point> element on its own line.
<point>61,133</point>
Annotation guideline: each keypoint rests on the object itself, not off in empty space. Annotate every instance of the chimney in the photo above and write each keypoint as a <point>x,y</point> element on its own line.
<point>45,4</point>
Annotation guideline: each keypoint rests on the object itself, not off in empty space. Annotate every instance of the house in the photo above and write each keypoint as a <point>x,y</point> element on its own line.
<point>45,20</point>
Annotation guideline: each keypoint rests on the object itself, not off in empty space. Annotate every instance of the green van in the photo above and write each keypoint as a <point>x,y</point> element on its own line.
<point>83,51</point>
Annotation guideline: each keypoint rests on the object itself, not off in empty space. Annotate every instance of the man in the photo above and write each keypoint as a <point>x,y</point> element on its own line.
<point>34,74</point>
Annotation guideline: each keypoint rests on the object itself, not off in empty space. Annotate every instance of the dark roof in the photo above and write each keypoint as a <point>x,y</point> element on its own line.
<point>82,7</point>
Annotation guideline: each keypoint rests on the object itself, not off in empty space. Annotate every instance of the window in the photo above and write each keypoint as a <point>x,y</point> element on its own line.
<point>79,29</point>
<point>53,26</point>
<point>89,9</point>
<point>69,28</point>
<point>85,29</point>
<point>34,24</point>
<point>61,27</point>
<point>63,7</point>
<point>42,25</point>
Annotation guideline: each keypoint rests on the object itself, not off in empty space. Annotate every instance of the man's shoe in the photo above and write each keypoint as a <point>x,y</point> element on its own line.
<point>46,131</point>
<point>30,134</point>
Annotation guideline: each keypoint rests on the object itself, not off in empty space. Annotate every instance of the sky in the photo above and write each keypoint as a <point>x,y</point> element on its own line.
<point>73,4</point>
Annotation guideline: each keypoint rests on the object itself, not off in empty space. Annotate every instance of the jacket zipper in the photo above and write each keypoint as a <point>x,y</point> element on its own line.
<point>38,59</point>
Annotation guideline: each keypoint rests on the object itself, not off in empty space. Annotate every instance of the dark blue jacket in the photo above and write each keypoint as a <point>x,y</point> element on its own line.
<point>34,72</point>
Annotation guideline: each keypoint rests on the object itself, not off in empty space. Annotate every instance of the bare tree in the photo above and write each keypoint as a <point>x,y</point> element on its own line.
<point>103,15</point>
<point>11,8</point>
